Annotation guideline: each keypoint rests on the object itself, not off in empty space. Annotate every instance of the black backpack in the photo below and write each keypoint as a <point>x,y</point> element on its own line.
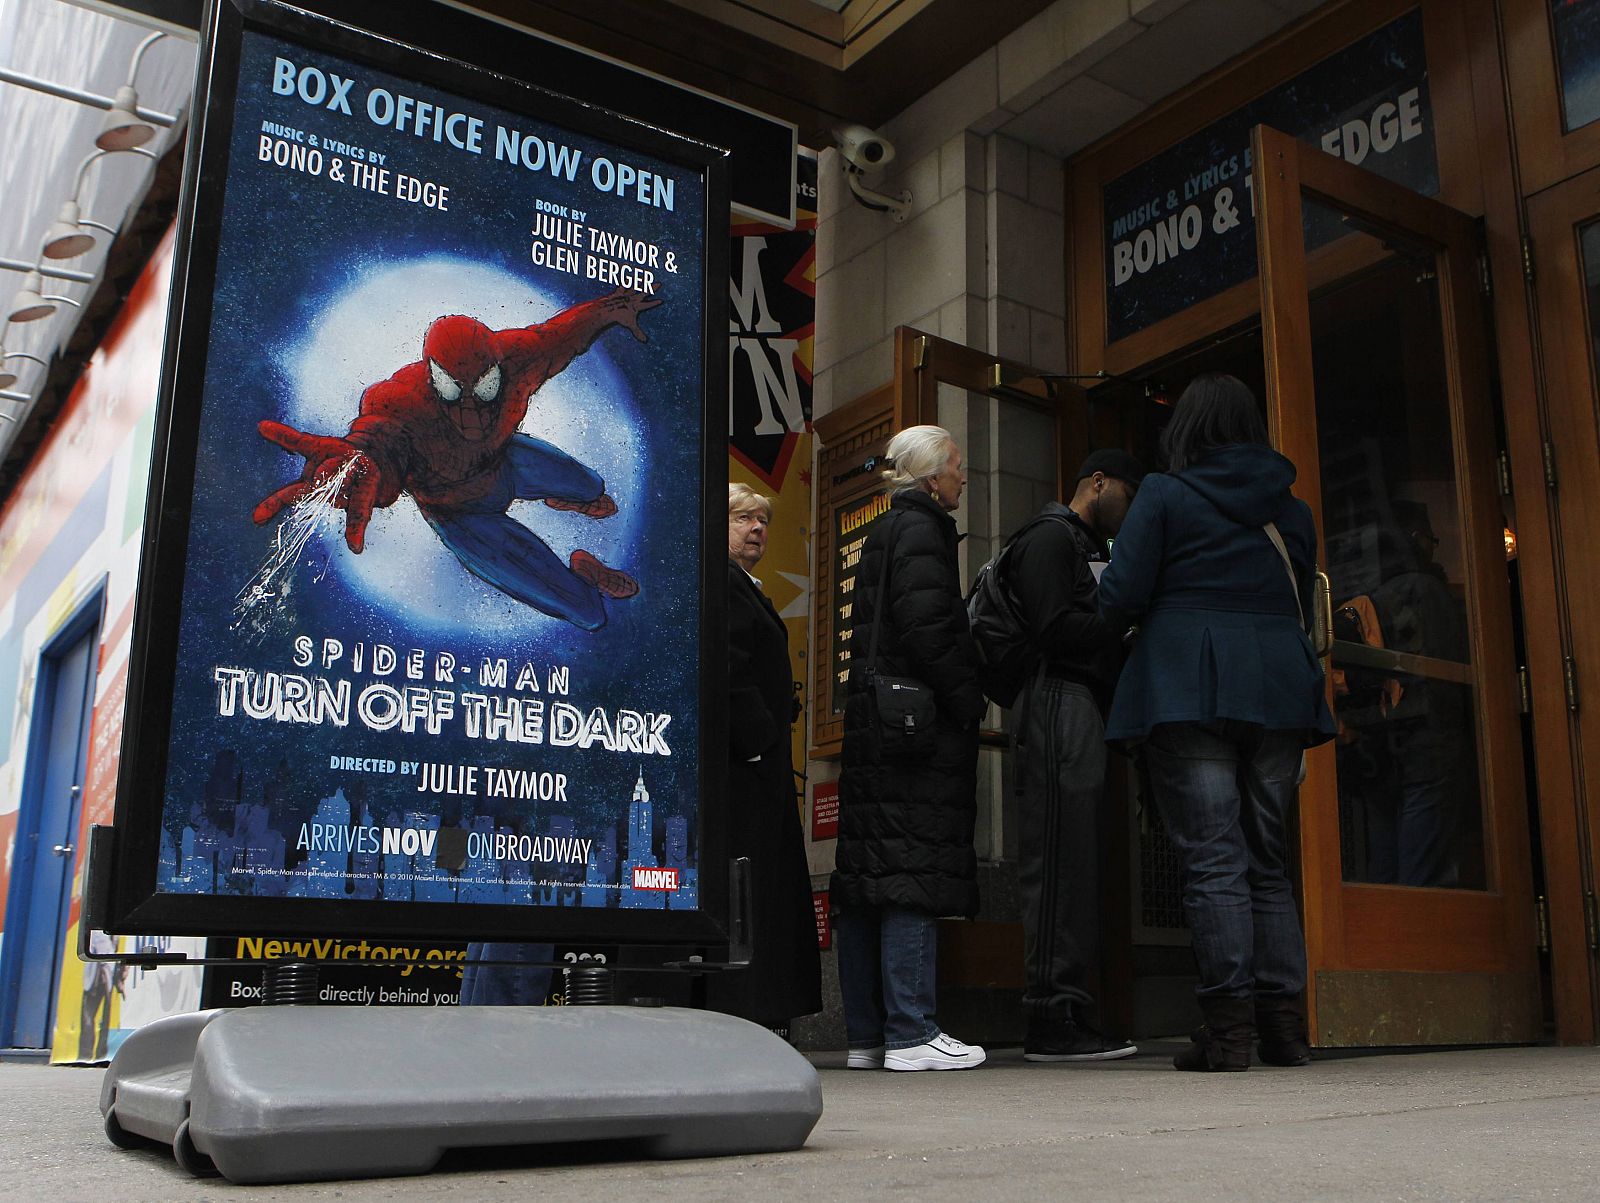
<point>1006,655</point>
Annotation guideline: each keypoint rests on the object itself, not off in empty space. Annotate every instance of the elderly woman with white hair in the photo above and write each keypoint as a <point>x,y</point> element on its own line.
<point>907,792</point>
<point>784,978</point>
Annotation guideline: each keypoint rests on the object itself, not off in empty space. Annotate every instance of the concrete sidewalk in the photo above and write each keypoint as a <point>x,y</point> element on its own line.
<point>1485,1124</point>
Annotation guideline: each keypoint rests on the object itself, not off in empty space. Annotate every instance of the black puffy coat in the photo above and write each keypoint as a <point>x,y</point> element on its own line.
<point>905,830</point>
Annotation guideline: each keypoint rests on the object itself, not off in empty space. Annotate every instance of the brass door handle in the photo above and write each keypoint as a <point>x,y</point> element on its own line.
<point>1325,617</point>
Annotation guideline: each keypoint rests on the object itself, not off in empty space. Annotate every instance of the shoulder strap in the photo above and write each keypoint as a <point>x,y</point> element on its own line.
<point>1038,520</point>
<point>883,594</point>
<point>1294,585</point>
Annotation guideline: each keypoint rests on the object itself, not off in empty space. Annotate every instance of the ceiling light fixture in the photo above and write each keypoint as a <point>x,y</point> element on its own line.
<point>67,239</point>
<point>30,304</point>
<point>123,128</point>
<point>69,236</point>
<point>7,376</point>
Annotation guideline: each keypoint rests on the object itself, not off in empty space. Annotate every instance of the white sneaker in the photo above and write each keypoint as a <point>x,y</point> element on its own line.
<point>865,1058</point>
<point>942,1052</point>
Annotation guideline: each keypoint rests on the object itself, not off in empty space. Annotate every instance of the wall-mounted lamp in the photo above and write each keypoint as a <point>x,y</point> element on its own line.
<point>19,398</point>
<point>30,304</point>
<point>1511,544</point>
<point>7,376</point>
<point>123,128</point>
<point>69,237</point>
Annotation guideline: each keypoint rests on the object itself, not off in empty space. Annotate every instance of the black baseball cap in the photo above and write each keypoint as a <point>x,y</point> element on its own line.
<point>1114,462</point>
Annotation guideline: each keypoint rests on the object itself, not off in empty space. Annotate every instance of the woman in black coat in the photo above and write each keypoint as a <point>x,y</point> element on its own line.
<point>905,853</point>
<point>784,977</point>
<point>1223,692</point>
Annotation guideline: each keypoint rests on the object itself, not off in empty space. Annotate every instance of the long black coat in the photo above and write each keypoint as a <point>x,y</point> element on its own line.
<point>905,830</point>
<point>784,978</point>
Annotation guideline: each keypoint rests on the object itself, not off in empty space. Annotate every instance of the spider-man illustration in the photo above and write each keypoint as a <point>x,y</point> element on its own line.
<point>444,429</point>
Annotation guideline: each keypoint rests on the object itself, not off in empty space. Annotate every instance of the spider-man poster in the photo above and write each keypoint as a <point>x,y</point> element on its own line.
<point>438,638</point>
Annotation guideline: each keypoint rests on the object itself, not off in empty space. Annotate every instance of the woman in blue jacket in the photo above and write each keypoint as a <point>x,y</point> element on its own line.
<point>1223,692</point>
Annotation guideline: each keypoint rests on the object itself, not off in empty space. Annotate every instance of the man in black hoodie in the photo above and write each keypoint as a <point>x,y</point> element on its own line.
<point>1052,573</point>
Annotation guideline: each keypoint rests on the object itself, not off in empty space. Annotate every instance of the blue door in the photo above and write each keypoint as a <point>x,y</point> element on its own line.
<point>47,832</point>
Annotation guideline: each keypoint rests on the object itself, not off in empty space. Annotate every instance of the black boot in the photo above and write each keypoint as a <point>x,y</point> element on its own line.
<point>1223,1044</point>
<point>1282,1029</point>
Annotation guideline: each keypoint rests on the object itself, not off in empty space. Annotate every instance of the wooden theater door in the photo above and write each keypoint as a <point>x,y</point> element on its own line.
<point>1414,834</point>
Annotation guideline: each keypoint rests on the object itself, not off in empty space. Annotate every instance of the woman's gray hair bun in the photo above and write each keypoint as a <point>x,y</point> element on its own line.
<point>916,453</point>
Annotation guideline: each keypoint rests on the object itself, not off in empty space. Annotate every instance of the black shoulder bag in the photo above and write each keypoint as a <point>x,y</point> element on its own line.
<point>903,709</point>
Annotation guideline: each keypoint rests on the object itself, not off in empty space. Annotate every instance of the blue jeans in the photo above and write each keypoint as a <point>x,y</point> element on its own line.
<point>505,985</point>
<point>887,960</point>
<point>1225,790</point>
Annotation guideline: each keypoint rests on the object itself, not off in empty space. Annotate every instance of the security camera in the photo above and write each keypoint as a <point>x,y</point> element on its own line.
<point>863,148</point>
<point>859,149</point>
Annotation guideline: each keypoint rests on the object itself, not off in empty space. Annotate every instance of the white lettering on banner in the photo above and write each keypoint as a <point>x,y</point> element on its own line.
<point>312,85</point>
<point>536,153</point>
<point>645,878</point>
<point>640,734</point>
<point>780,383</point>
<point>750,310</point>
<point>771,360</point>
<point>1387,125</point>
<point>1382,130</point>
<point>550,849</point>
<point>336,837</point>
<point>290,154</point>
<point>1155,245</point>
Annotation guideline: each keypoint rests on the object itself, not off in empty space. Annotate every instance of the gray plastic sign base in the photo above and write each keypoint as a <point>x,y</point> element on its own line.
<point>296,1094</point>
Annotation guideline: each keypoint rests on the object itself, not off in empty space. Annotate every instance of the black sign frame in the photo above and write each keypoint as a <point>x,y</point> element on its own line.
<point>135,905</point>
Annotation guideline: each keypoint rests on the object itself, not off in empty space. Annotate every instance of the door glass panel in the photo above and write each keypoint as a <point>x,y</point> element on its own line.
<point>1410,804</point>
<point>1589,240</point>
<point>1576,28</point>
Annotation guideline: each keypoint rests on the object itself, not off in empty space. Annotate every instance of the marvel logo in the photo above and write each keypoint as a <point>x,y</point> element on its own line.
<point>654,879</point>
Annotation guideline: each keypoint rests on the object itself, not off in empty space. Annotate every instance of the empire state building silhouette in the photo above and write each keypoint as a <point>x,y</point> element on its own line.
<point>641,850</point>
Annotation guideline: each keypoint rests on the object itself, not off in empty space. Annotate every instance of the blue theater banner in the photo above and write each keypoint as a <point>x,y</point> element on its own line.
<point>1180,227</point>
<point>431,633</point>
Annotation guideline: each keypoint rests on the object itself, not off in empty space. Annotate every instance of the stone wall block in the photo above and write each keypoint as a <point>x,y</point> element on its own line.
<point>850,302</point>
<point>1046,181</point>
<point>862,373</point>
<point>1028,255</point>
<point>1007,167</point>
<point>1066,31</point>
<point>961,163</point>
<point>969,99</point>
<point>926,261</point>
<point>1049,334</point>
<point>1011,334</point>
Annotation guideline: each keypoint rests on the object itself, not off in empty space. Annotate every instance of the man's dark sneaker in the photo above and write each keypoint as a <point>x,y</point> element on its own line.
<point>1070,1042</point>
